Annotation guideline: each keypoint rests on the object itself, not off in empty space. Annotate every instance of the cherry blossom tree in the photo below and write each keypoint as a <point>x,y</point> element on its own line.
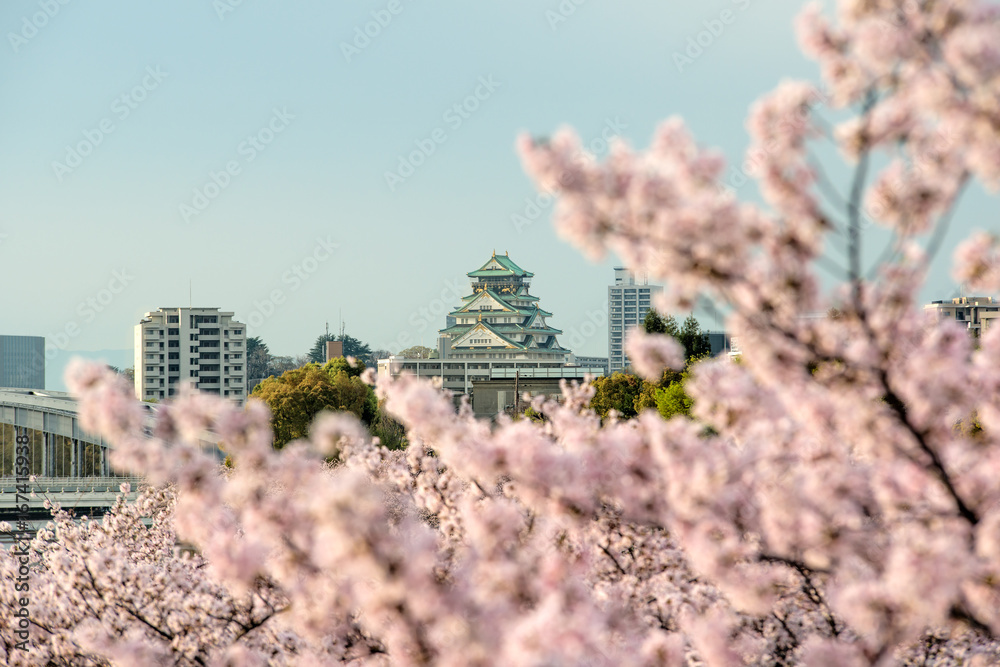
<point>822,507</point>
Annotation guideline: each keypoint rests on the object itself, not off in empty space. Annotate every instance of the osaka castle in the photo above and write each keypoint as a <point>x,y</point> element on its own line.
<point>500,319</point>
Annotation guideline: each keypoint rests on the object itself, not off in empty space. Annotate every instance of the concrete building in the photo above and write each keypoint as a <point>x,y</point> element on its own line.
<point>204,346</point>
<point>975,312</point>
<point>988,320</point>
<point>500,393</point>
<point>590,362</point>
<point>721,342</point>
<point>22,362</point>
<point>334,349</point>
<point>628,300</point>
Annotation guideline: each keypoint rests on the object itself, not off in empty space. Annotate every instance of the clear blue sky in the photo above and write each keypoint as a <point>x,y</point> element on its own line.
<point>164,94</point>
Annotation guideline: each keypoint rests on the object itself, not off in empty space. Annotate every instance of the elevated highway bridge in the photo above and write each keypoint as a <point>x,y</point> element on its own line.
<point>69,465</point>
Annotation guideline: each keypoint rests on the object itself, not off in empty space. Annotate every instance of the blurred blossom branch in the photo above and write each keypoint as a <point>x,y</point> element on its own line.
<point>831,500</point>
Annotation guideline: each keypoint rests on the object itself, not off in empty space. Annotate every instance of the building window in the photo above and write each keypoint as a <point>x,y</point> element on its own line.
<point>173,343</point>
<point>173,332</point>
<point>173,355</point>
<point>173,319</point>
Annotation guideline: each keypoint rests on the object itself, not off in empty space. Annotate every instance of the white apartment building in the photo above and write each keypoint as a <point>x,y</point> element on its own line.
<point>203,346</point>
<point>976,313</point>
<point>628,301</point>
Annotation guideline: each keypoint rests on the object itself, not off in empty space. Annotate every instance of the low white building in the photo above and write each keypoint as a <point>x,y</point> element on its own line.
<point>974,312</point>
<point>458,374</point>
<point>204,346</point>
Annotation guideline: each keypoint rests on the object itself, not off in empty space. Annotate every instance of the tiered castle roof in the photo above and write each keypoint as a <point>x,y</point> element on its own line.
<point>500,314</point>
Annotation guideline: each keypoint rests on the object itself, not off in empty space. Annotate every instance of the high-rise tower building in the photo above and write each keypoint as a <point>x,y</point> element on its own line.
<point>628,301</point>
<point>22,362</point>
<point>201,345</point>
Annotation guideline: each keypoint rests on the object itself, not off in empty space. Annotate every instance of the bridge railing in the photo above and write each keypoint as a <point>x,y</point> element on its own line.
<point>49,485</point>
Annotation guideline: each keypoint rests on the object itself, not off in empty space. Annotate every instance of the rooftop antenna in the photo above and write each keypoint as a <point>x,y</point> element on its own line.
<point>190,292</point>
<point>328,330</point>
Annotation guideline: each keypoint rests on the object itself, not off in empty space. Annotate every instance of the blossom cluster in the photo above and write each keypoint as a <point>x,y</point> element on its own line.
<point>833,500</point>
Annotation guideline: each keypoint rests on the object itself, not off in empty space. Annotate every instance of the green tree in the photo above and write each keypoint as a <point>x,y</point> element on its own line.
<point>390,433</point>
<point>418,352</point>
<point>616,392</point>
<point>673,400</point>
<point>298,395</point>
<point>695,341</point>
<point>338,364</point>
<point>352,347</point>
<point>689,334</point>
<point>258,357</point>
<point>276,365</point>
<point>646,397</point>
<point>654,323</point>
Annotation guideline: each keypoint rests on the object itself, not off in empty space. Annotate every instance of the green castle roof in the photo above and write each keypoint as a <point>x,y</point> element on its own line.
<point>507,267</point>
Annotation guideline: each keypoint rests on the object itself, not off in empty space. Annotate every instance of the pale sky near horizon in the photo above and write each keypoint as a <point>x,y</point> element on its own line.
<point>241,149</point>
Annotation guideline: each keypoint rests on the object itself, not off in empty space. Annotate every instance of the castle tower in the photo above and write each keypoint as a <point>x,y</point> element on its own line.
<point>500,319</point>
